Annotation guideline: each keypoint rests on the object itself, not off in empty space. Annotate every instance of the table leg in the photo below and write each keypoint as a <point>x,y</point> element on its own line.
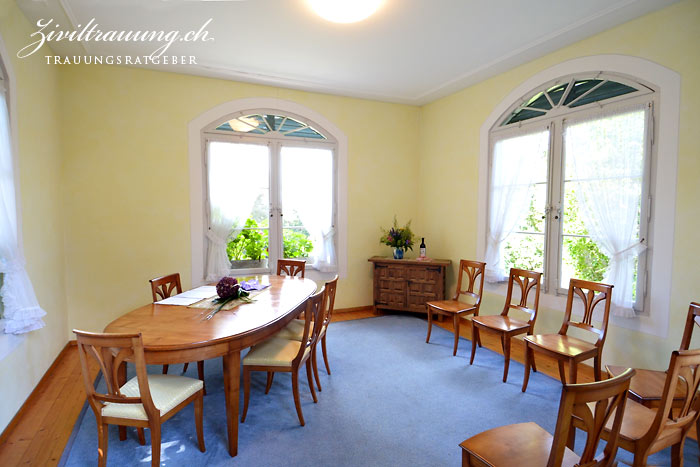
<point>232,375</point>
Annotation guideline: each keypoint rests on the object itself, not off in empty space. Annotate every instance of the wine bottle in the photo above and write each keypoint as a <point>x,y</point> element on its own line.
<point>422,247</point>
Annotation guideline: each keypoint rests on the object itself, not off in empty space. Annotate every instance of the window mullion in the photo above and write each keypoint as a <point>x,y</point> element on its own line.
<point>275,232</point>
<point>554,224</point>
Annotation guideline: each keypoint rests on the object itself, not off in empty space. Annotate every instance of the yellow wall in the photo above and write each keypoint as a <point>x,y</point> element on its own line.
<point>450,157</point>
<point>40,191</point>
<point>127,180</point>
<point>109,172</point>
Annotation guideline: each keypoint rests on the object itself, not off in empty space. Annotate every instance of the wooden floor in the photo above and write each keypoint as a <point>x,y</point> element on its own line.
<point>39,435</point>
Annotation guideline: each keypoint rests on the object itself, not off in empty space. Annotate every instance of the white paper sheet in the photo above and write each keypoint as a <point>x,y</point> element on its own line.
<point>204,291</point>
<point>178,300</point>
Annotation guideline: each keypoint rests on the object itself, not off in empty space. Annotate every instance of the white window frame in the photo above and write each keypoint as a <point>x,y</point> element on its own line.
<point>666,82</point>
<point>200,131</point>
<point>553,122</point>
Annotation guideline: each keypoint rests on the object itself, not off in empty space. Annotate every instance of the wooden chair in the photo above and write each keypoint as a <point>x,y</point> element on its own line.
<point>646,431</point>
<point>474,270</point>
<point>527,444</point>
<point>145,401</point>
<point>568,349</point>
<point>291,267</point>
<point>295,329</point>
<point>162,288</point>
<point>503,324</point>
<point>647,385</point>
<point>278,354</point>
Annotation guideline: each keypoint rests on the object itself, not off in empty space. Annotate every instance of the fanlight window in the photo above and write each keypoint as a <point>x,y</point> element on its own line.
<point>575,93</point>
<point>257,124</point>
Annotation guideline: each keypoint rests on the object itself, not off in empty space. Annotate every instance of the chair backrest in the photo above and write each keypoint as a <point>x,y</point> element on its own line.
<point>474,271</point>
<point>110,351</point>
<point>692,319</point>
<point>329,300</point>
<point>591,294</point>
<point>684,370</point>
<point>163,286</point>
<point>610,397</point>
<point>291,267</point>
<point>313,321</point>
<point>527,281</point>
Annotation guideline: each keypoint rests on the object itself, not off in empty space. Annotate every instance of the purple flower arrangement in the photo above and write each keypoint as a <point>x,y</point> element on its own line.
<point>228,289</point>
<point>398,237</point>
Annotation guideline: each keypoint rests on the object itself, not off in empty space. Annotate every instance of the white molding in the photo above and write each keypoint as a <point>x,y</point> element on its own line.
<point>668,83</point>
<point>197,196</point>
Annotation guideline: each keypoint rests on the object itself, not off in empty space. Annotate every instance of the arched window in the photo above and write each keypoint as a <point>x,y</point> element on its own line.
<point>569,185</point>
<point>271,192</point>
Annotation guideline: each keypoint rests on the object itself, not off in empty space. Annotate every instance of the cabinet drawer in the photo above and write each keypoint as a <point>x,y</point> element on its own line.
<point>391,272</point>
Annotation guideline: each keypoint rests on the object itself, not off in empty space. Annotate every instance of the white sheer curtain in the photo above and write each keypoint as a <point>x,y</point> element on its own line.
<point>307,189</point>
<point>517,163</point>
<point>21,311</point>
<point>605,157</point>
<point>234,171</point>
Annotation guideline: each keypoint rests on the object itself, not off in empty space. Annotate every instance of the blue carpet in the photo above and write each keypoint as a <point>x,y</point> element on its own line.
<point>392,400</point>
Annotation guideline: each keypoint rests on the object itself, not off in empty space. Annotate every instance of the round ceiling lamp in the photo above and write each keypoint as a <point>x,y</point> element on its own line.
<point>345,11</point>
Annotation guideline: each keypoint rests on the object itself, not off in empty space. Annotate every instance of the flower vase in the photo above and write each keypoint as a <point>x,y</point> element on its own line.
<point>398,253</point>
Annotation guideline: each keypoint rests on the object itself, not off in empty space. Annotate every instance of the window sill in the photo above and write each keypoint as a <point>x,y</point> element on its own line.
<point>640,323</point>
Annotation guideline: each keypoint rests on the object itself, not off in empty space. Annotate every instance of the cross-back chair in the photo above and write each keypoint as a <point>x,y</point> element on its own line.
<point>473,271</point>
<point>145,401</point>
<point>504,325</point>
<point>162,288</point>
<point>568,349</point>
<point>529,444</point>
<point>284,355</point>
<point>295,329</point>
<point>645,430</point>
<point>291,267</point>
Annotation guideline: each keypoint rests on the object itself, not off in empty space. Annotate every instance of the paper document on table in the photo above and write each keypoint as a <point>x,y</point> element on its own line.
<point>178,300</point>
<point>204,291</point>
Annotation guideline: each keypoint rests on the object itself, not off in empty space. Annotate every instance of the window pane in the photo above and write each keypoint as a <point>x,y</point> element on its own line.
<point>582,259</point>
<point>517,199</point>
<point>605,91</point>
<point>524,251</point>
<point>604,166</point>
<point>580,88</point>
<point>243,198</point>
<point>307,200</point>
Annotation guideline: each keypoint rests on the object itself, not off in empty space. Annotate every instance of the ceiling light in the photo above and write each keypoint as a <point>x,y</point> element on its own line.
<point>345,11</point>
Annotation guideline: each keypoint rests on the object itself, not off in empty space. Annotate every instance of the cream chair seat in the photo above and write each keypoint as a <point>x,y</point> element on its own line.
<point>167,392</point>
<point>274,352</point>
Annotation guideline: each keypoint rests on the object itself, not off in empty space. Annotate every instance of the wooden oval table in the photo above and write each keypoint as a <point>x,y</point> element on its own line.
<point>180,334</point>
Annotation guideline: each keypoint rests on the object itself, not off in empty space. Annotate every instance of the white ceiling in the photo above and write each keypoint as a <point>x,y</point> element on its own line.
<point>410,51</point>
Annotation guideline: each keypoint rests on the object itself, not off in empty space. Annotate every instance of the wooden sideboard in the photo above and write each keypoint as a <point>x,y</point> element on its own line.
<point>405,284</point>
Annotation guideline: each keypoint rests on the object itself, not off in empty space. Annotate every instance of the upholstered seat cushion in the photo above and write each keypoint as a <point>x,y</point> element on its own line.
<point>167,391</point>
<point>293,331</point>
<point>273,352</point>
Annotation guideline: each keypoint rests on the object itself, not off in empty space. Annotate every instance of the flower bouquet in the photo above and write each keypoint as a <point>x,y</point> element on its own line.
<point>399,238</point>
<point>228,289</point>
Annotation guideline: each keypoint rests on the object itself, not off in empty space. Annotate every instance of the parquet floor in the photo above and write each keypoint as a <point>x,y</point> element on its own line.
<point>41,432</point>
